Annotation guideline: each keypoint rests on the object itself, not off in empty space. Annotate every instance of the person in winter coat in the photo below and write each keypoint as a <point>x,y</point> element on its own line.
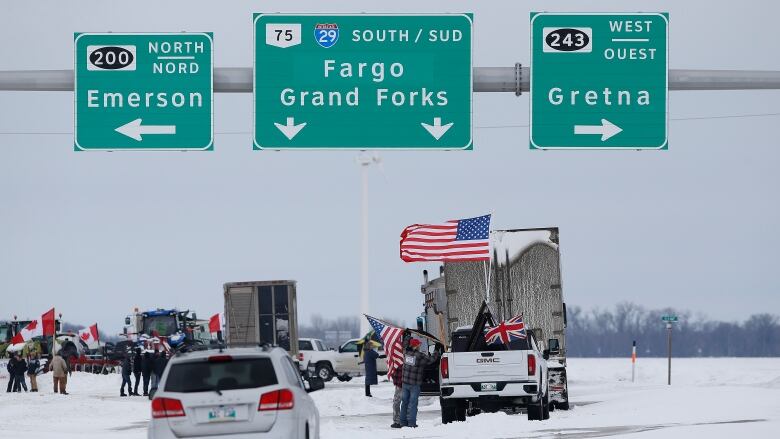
<point>397,377</point>
<point>11,368</point>
<point>137,370</point>
<point>369,364</point>
<point>414,368</point>
<point>32,371</point>
<point>19,370</point>
<point>158,368</point>
<point>127,370</point>
<point>59,369</point>
<point>146,370</point>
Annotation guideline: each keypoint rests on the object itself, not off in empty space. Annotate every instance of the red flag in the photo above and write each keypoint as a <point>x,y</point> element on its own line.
<point>48,322</point>
<point>214,324</point>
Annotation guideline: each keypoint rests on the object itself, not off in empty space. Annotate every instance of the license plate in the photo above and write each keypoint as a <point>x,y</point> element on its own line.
<point>488,387</point>
<point>222,414</point>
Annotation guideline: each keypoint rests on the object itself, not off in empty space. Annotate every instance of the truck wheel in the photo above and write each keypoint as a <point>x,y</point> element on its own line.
<point>460,412</point>
<point>448,411</point>
<point>324,371</point>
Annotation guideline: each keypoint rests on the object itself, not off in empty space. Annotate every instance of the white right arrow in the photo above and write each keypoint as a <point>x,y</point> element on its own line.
<point>607,129</point>
<point>290,130</point>
<point>437,129</point>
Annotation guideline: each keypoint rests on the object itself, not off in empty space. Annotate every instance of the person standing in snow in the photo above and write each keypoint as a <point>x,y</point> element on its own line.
<point>137,370</point>
<point>19,370</point>
<point>414,368</point>
<point>158,368</point>
<point>397,378</point>
<point>32,371</point>
<point>369,365</point>
<point>59,369</point>
<point>146,370</point>
<point>127,369</point>
<point>11,368</point>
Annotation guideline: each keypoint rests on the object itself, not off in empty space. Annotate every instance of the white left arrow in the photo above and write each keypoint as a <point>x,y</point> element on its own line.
<point>290,130</point>
<point>135,130</point>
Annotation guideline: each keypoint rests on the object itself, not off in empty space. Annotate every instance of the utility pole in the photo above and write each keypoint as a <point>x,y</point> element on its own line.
<point>364,161</point>
<point>669,351</point>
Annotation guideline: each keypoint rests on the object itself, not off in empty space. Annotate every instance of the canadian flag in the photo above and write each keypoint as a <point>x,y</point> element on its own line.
<point>90,335</point>
<point>33,329</point>
<point>215,323</point>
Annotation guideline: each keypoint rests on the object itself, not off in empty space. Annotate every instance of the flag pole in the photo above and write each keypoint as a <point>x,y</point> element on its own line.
<point>489,264</point>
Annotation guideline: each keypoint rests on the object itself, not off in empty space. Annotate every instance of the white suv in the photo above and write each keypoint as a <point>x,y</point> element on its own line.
<point>241,392</point>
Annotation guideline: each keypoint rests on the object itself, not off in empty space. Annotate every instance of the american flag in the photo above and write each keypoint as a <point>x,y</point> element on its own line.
<point>456,240</point>
<point>512,329</point>
<point>391,338</point>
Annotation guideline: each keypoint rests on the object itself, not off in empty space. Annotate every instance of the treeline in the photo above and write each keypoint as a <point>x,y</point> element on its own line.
<point>605,333</point>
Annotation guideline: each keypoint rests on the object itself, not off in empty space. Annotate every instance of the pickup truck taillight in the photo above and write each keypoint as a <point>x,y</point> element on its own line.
<point>444,365</point>
<point>166,408</point>
<point>276,400</point>
<point>300,357</point>
<point>531,364</point>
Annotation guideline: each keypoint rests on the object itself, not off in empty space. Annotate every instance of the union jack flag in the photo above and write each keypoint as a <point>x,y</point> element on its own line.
<point>391,338</point>
<point>505,332</point>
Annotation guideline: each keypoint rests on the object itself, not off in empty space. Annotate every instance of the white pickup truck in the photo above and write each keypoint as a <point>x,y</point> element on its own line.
<point>344,363</point>
<point>476,377</point>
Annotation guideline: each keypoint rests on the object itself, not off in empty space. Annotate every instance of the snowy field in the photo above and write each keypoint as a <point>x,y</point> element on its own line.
<point>713,398</point>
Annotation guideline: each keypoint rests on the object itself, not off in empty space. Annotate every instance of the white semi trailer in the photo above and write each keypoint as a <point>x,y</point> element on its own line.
<point>522,277</point>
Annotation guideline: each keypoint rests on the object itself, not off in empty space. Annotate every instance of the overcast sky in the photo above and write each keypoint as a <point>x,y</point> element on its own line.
<point>96,234</point>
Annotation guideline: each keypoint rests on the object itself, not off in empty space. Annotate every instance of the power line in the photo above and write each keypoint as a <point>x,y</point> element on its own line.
<point>477,127</point>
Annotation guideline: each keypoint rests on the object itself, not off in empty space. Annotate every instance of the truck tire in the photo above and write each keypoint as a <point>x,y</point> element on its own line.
<point>460,412</point>
<point>324,371</point>
<point>447,411</point>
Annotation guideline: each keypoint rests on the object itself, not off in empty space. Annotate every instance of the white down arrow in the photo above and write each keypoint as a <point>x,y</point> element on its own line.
<point>437,129</point>
<point>291,129</point>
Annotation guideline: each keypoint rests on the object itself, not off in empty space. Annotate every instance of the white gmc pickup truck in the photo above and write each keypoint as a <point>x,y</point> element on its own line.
<point>477,377</point>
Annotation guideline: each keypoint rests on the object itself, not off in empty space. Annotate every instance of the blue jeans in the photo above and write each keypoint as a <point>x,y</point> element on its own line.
<point>410,394</point>
<point>126,380</point>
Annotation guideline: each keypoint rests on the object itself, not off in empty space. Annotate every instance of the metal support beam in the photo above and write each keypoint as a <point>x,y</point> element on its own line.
<point>486,79</point>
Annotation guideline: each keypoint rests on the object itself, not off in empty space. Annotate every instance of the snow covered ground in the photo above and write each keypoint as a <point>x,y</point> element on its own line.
<point>714,398</point>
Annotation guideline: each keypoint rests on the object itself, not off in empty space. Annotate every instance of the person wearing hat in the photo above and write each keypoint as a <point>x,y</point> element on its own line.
<point>414,368</point>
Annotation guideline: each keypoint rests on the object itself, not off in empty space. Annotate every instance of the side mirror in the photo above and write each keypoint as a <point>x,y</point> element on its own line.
<point>546,354</point>
<point>127,320</point>
<point>554,345</point>
<point>151,394</point>
<point>340,349</point>
<point>315,383</point>
<point>331,349</point>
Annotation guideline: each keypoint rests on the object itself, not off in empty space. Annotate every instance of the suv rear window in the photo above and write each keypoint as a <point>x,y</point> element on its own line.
<point>203,376</point>
<point>460,340</point>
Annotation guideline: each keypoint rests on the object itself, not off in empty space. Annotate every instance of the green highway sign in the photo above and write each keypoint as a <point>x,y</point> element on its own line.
<point>669,318</point>
<point>363,81</point>
<point>599,81</point>
<point>140,91</point>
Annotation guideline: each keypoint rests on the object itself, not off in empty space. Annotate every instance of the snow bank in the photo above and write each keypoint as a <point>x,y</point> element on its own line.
<point>710,397</point>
